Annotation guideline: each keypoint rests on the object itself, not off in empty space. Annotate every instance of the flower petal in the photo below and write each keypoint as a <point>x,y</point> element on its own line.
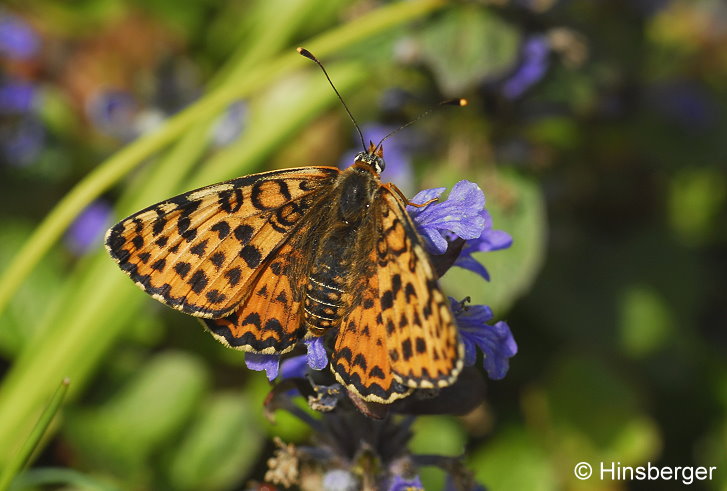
<point>533,66</point>
<point>502,348</point>
<point>422,197</point>
<point>461,214</point>
<point>489,240</point>
<point>399,483</point>
<point>259,362</point>
<point>294,367</point>
<point>495,341</point>
<point>317,358</point>
<point>466,261</point>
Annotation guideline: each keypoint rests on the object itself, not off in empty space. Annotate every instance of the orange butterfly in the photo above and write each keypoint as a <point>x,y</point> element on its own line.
<point>270,259</point>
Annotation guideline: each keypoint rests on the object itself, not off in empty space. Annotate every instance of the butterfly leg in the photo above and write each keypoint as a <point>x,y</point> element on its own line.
<point>392,187</point>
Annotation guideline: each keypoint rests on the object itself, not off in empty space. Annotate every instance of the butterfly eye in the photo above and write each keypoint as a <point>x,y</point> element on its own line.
<point>373,160</point>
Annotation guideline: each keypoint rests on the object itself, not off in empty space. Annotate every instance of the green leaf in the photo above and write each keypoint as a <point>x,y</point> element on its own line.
<point>466,45</point>
<point>696,200</point>
<point>646,320</point>
<point>46,476</point>
<point>596,415</point>
<point>43,283</point>
<point>123,434</point>
<point>513,461</point>
<point>220,447</point>
<point>520,211</point>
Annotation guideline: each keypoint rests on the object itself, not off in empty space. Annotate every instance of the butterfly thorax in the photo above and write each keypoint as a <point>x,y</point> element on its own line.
<point>329,285</point>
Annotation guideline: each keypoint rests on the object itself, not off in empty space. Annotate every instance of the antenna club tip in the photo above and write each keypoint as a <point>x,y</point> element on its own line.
<point>305,53</point>
<point>455,102</point>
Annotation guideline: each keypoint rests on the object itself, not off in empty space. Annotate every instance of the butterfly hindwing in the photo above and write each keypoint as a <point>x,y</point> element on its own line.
<point>361,359</point>
<point>197,251</point>
<point>268,319</point>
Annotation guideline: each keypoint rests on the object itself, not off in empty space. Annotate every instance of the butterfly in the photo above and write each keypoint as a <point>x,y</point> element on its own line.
<point>269,259</point>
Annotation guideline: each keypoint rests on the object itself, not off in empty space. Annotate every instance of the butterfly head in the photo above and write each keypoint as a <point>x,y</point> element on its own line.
<point>373,157</point>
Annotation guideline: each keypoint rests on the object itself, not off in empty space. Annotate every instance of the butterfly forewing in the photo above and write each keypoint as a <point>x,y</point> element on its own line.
<point>421,334</point>
<point>197,251</point>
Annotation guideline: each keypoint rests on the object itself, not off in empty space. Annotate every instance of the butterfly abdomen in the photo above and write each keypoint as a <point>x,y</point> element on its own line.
<point>323,308</point>
<point>329,278</point>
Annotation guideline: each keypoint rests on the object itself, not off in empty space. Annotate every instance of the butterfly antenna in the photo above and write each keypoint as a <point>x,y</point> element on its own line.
<point>449,102</point>
<point>310,56</point>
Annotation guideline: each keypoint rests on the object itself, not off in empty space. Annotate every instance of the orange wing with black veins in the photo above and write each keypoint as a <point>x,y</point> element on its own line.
<point>198,251</point>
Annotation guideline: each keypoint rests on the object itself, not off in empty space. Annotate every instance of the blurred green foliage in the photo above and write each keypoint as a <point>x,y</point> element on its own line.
<point>606,164</point>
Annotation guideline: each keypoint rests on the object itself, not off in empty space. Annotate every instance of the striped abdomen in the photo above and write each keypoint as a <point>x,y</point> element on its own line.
<point>329,280</point>
<point>323,308</point>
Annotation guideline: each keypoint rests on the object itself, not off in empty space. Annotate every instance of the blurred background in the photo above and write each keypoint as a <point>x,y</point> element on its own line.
<point>596,129</point>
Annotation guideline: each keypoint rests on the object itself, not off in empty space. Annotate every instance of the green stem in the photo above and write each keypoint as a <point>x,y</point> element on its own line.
<point>21,458</point>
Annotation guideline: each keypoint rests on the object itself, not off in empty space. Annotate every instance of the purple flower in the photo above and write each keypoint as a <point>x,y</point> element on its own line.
<point>495,341</point>
<point>489,240</point>
<point>399,483</point>
<point>685,103</point>
<point>17,39</point>
<point>22,137</point>
<point>316,358</point>
<point>113,112</point>
<point>292,367</point>
<point>463,214</point>
<point>87,230</point>
<point>230,125</point>
<point>21,141</point>
<point>16,97</point>
<point>648,7</point>
<point>533,65</point>
<point>260,362</point>
<point>451,485</point>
